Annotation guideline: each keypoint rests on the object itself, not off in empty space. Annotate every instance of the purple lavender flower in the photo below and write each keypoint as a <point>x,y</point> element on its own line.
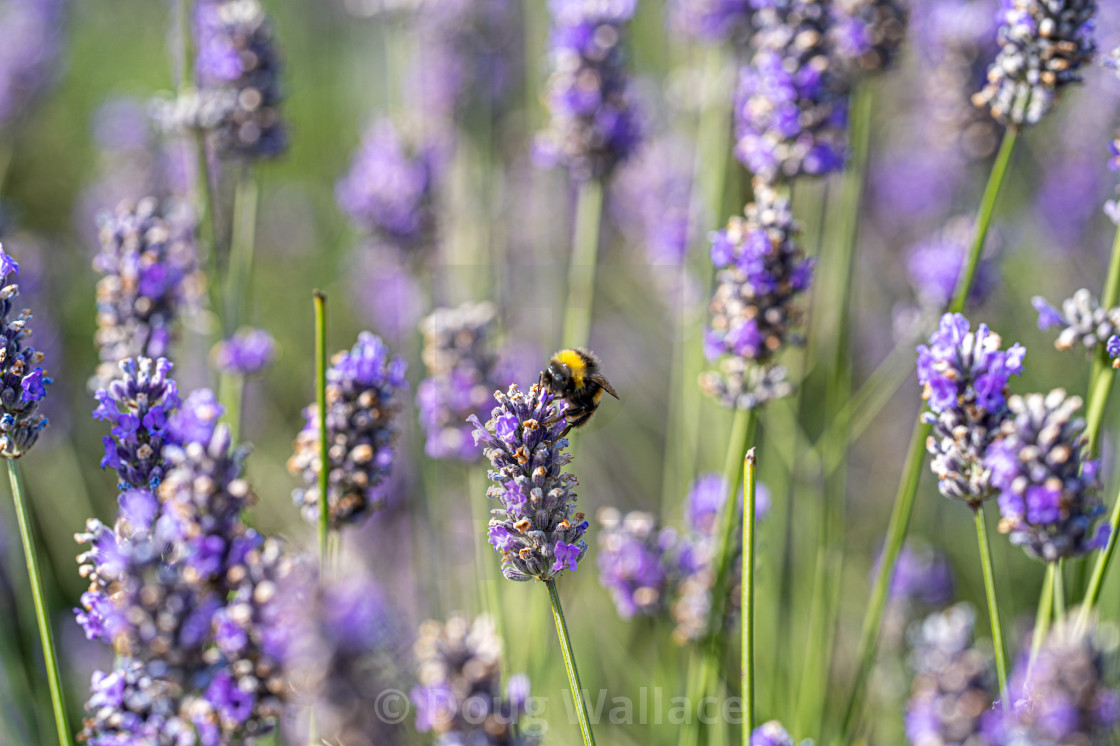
<point>636,561</point>
<point>472,58</point>
<point>365,388</point>
<point>706,498</point>
<point>1048,484</point>
<point>653,200</point>
<point>954,683</point>
<point>149,276</point>
<point>791,106</point>
<point>1068,696</point>
<point>1043,46</point>
<point>594,124</point>
<point>1113,348</point>
<point>389,296</point>
<point>22,379</point>
<point>710,20</point>
<point>771,734</point>
<point>537,529</point>
<point>922,575</point>
<point>935,266</point>
<point>137,404</point>
<point>760,272</point>
<point>459,696</point>
<point>1081,318</point>
<point>389,189</point>
<point>238,69</point>
<point>868,34</point>
<point>31,37</point>
<point>246,353</point>
<point>462,375</point>
<point>964,376</point>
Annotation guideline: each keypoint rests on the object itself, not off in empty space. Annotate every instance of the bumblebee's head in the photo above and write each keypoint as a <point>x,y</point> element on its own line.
<point>565,373</point>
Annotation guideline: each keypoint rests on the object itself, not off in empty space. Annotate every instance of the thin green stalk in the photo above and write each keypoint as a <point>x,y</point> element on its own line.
<point>713,135</point>
<point>1042,614</point>
<point>993,602</point>
<point>242,242</point>
<point>1096,581</point>
<point>748,596</point>
<point>1059,592</point>
<point>984,217</point>
<point>321,404</point>
<point>908,487</point>
<point>31,554</point>
<point>570,665</point>
<point>742,435</point>
<point>581,272</point>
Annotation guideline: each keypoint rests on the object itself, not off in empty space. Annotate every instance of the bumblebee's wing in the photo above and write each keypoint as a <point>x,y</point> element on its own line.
<point>602,381</point>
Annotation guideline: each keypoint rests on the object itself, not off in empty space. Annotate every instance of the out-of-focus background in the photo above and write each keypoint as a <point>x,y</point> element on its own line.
<point>81,143</point>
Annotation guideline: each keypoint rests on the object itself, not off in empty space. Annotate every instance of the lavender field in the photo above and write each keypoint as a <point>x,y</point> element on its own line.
<point>529,372</point>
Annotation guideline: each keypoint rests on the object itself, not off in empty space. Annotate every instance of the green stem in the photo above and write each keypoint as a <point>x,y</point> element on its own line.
<point>243,239</point>
<point>984,217</point>
<point>748,596</point>
<point>324,444</point>
<point>993,602</point>
<point>713,134</point>
<point>581,272</point>
<point>30,553</point>
<point>896,534</point>
<point>1059,592</point>
<point>570,665</point>
<point>908,487</point>
<point>1042,615</point>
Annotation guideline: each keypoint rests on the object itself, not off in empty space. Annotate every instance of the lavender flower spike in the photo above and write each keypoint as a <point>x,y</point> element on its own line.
<point>964,376</point>
<point>791,106</point>
<point>149,274</point>
<point>365,388</point>
<point>868,34</point>
<point>1043,45</point>
<point>23,381</point>
<point>1068,694</point>
<point>594,124</point>
<point>1048,484</point>
<point>771,733</point>
<point>636,561</point>
<point>1113,348</point>
<point>537,529</point>
<point>710,20</point>
<point>246,353</point>
<point>1081,318</point>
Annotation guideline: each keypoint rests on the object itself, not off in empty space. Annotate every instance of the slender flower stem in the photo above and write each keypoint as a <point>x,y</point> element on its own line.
<point>748,596</point>
<point>321,404</point>
<point>581,272</point>
<point>908,487</point>
<point>984,217</point>
<point>993,602</point>
<point>1059,591</point>
<point>570,665</point>
<point>31,554</point>
<point>1042,615</point>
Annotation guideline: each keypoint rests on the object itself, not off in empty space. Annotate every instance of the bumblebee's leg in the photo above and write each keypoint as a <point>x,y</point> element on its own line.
<point>579,417</point>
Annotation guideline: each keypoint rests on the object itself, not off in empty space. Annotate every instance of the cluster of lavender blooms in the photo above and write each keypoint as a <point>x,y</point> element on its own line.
<point>1080,319</point>
<point>1043,46</point>
<point>637,561</point>
<point>247,353</point>
<point>954,682</point>
<point>594,123</point>
<point>537,529</point>
<point>760,272</point>
<point>1064,695</point>
<point>23,381</point>
<point>472,53</point>
<point>652,202</point>
<point>791,104</point>
<point>935,265</point>
<point>238,69</point>
<point>365,393</point>
<point>459,696</point>
<point>341,650</point>
<point>179,584</point>
<point>868,34</point>
<point>1048,484</point>
<point>389,191</point>
<point>30,39</point>
<point>964,376</point>
<point>710,20</point>
<point>771,733</point>
<point>922,582</point>
<point>149,277</point>
<point>459,352</point>
<point>1112,206</point>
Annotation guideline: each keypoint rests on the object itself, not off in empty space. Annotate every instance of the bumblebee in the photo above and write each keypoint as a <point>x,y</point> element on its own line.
<point>574,376</point>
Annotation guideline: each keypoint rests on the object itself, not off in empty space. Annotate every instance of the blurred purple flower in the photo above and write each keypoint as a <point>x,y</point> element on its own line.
<point>246,353</point>
<point>22,380</point>
<point>636,561</point>
<point>31,38</point>
<point>710,21</point>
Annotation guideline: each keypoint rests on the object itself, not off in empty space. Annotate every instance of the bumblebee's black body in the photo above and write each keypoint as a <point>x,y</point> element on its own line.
<point>574,376</point>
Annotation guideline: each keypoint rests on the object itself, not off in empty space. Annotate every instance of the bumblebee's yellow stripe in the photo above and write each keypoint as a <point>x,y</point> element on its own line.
<point>575,363</point>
